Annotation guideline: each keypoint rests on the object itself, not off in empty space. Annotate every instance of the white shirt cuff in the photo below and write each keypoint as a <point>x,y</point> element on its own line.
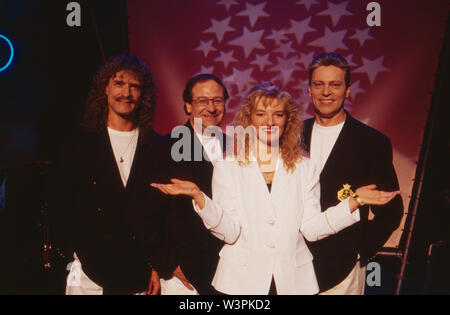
<point>209,214</point>
<point>341,217</point>
<point>355,215</point>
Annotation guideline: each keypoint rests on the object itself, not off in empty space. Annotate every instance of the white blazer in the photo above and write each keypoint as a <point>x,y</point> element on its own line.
<point>264,231</point>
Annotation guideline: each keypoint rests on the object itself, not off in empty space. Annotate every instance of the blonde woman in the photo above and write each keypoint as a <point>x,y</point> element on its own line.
<point>266,201</point>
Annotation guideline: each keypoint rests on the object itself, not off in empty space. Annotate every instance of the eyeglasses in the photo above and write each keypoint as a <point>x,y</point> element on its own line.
<point>204,101</point>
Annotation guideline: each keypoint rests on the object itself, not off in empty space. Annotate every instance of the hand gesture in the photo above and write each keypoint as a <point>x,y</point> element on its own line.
<point>182,187</point>
<point>369,195</point>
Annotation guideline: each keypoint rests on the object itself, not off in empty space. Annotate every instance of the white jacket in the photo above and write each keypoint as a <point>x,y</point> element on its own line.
<point>264,231</point>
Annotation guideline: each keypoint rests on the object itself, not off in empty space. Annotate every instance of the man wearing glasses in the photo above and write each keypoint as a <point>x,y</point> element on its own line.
<point>193,249</point>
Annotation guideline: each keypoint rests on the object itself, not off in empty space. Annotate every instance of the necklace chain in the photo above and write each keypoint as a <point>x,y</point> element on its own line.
<point>121,160</point>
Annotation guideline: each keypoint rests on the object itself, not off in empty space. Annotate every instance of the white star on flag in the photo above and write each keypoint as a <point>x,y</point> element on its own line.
<point>349,59</point>
<point>331,41</point>
<point>302,87</point>
<point>226,58</point>
<point>276,36</point>
<point>227,3</point>
<point>261,61</point>
<point>355,90</point>
<point>362,36</point>
<point>248,41</point>
<point>306,59</point>
<point>220,28</point>
<point>276,50</point>
<point>285,49</point>
<point>348,105</point>
<point>286,67</point>
<point>307,3</point>
<point>205,47</point>
<point>300,28</point>
<point>204,69</point>
<point>254,12</point>
<point>336,12</point>
<point>372,68</point>
<point>240,78</point>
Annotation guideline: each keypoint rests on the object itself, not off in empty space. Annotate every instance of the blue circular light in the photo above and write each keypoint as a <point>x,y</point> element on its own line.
<point>12,53</point>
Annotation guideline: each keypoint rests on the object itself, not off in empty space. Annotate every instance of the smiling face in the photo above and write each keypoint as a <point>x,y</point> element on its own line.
<point>207,104</point>
<point>123,93</point>
<point>328,92</point>
<point>269,118</point>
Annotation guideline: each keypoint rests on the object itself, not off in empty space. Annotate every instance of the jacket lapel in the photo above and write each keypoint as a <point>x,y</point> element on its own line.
<point>200,164</point>
<point>340,149</point>
<point>136,165</point>
<point>336,171</point>
<point>106,161</point>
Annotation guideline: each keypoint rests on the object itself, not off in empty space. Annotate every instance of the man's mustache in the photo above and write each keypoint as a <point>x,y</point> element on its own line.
<point>125,99</point>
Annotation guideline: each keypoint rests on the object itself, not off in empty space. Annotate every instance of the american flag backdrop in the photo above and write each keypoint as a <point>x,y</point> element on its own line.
<point>249,42</point>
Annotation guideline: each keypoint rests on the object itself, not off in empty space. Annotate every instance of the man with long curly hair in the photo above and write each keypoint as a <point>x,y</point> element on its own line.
<point>349,153</point>
<point>107,218</point>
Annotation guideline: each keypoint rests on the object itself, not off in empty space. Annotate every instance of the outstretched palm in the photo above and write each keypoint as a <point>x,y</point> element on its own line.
<point>182,187</point>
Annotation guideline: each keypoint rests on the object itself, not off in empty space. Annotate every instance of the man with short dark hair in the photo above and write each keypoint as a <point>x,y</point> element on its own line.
<point>347,152</point>
<point>104,214</point>
<point>194,249</point>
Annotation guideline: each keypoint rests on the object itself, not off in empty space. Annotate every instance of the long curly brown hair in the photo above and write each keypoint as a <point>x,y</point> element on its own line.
<point>96,113</point>
<point>290,141</point>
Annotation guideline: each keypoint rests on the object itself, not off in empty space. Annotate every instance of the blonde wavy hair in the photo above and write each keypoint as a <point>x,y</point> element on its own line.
<point>290,141</point>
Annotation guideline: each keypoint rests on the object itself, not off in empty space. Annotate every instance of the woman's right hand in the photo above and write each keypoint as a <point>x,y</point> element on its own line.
<point>182,187</point>
<point>369,195</point>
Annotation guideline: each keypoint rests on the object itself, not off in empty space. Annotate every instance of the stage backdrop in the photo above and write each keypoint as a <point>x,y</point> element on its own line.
<point>249,42</point>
